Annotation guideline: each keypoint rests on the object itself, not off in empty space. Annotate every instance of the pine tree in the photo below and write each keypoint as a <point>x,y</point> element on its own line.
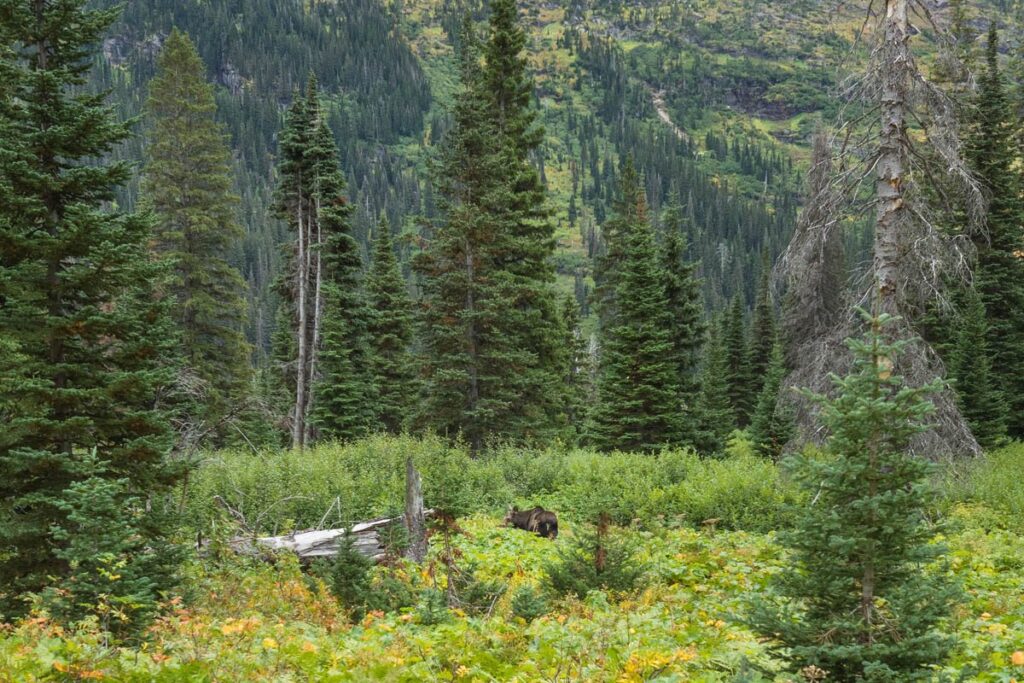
<point>859,603</point>
<point>981,402</point>
<point>717,419</point>
<point>773,424</point>
<point>638,405</point>
<point>187,183</point>
<point>763,327</point>
<point>999,275</point>
<point>739,377</point>
<point>77,305</point>
<point>682,290</point>
<point>391,320</point>
<point>492,366</point>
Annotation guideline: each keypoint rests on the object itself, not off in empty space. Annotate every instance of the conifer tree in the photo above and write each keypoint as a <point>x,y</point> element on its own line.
<point>859,603</point>
<point>999,276</point>
<point>981,402</point>
<point>763,327</point>
<point>391,320</point>
<point>333,388</point>
<point>682,290</point>
<point>717,418</point>
<point>187,183</point>
<point>638,403</point>
<point>77,305</point>
<point>492,366</point>
<point>772,425</point>
<point>577,372</point>
<point>739,378</point>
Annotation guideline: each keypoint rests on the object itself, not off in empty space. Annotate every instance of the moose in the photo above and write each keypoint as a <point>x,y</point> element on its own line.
<point>542,522</point>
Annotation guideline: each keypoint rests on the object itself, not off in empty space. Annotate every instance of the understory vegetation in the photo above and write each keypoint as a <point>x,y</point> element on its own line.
<point>700,549</point>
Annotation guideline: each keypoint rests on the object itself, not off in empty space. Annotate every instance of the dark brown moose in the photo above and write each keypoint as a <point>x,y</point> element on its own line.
<point>542,522</point>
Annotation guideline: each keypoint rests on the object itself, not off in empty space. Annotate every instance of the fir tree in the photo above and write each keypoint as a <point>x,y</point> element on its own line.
<point>638,402</point>
<point>344,395</point>
<point>77,305</point>
<point>187,183</point>
<point>773,424</point>
<point>682,290</point>
<point>999,275</point>
<point>859,603</point>
<point>981,402</point>
<point>391,320</point>
<point>763,327</point>
<point>739,377</point>
<point>717,419</point>
<point>492,363</point>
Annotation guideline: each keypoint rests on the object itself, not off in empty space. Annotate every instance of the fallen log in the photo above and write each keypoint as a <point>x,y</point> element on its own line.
<point>314,543</point>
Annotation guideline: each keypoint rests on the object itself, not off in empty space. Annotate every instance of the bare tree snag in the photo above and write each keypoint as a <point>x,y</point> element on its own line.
<point>415,517</point>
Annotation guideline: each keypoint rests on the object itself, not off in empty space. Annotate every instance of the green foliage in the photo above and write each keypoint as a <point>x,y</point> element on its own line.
<point>112,575</point>
<point>741,385</point>
<point>999,273</point>
<point>390,330</point>
<point>772,425</point>
<point>596,558</point>
<point>638,394</point>
<point>529,602</point>
<point>350,576</point>
<point>981,400</point>
<point>578,380</point>
<point>433,608</point>
<point>863,601</point>
<point>991,482</point>
<point>80,307</point>
<point>718,419</point>
<point>187,183</point>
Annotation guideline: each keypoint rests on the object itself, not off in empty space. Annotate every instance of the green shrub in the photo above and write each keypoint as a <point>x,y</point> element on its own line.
<point>529,602</point>
<point>596,559</point>
<point>433,608</point>
<point>992,481</point>
<point>349,578</point>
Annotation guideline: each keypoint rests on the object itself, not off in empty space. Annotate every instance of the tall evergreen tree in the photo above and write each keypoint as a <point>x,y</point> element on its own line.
<point>187,183</point>
<point>577,368</point>
<point>739,378</point>
<point>682,290</point>
<point>333,387</point>
<point>391,321</point>
<point>999,276</point>
<point>763,326</point>
<point>77,303</point>
<point>717,418</point>
<point>638,401</point>
<point>859,603</point>
<point>491,331</point>
<point>981,401</point>
<point>772,424</point>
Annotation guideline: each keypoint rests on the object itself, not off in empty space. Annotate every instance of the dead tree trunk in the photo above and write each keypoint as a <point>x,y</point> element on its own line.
<point>415,519</point>
<point>302,283</point>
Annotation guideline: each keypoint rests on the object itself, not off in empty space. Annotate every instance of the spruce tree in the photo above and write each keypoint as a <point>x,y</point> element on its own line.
<point>390,329</point>
<point>717,418</point>
<point>981,402</point>
<point>859,602</point>
<point>187,184</point>
<point>773,424</point>
<point>638,400</point>
<point>78,305</point>
<point>763,327</point>
<point>999,274</point>
<point>682,290</point>
<point>344,395</point>
<point>742,386</point>
<point>492,363</point>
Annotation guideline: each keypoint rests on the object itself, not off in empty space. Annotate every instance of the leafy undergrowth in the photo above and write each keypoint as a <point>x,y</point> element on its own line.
<point>259,621</point>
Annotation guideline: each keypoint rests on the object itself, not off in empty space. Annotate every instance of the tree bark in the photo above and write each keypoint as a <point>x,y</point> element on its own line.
<point>302,277</point>
<point>415,518</point>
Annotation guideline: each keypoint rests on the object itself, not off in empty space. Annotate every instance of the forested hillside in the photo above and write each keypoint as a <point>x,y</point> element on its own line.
<point>298,296</point>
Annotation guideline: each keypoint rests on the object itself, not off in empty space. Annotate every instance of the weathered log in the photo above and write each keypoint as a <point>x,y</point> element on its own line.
<point>314,543</point>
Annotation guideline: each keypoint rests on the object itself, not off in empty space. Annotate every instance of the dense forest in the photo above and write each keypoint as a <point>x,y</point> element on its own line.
<point>295,297</point>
